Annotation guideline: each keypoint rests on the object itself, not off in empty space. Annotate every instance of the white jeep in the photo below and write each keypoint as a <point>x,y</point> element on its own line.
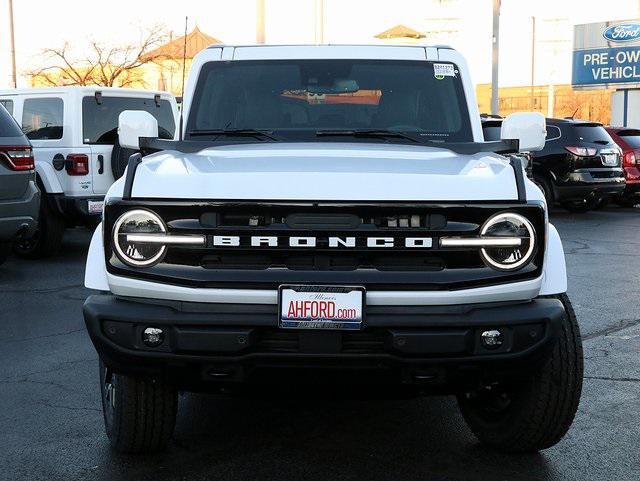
<point>73,131</point>
<point>331,214</point>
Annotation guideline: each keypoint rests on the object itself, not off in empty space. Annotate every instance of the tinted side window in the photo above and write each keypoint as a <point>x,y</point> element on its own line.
<point>100,121</point>
<point>491,130</point>
<point>42,119</point>
<point>7,104</point>
<point>8,126</point>
<point>631,137</point>
<point>553,133</point>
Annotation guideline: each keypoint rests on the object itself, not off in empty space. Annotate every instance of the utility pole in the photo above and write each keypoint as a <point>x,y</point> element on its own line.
<point>533,57</point>
<point>13,46</point>
<point>260,35</point>
<point>319,21</point>
<point>494,57</point>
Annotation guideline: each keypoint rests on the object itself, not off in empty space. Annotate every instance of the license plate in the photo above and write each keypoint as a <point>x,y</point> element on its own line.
<point>609,159</point>
<point>95,207</point>
<point>321,307</point>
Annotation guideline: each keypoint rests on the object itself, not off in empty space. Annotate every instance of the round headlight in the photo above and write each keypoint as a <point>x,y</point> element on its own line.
<point>510,226</point>
<point>138,254</point>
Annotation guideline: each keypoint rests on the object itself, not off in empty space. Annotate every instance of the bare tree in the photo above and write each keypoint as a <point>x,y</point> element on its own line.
<point>107,66</point>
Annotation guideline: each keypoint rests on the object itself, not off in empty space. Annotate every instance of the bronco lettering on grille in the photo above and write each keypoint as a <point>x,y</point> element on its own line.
<point>312,241</point>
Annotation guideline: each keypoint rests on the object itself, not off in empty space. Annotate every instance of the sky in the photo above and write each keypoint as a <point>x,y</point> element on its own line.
<point>463,24</point>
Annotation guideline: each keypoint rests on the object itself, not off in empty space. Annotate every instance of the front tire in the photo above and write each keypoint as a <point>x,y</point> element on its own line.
<point>139,414</point>
<point>534,413</point>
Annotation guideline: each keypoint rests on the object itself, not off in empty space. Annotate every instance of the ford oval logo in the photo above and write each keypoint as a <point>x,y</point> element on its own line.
<point>623,32</point>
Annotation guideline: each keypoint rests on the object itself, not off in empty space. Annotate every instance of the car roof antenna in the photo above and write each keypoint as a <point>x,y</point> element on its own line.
<point>184,66</point>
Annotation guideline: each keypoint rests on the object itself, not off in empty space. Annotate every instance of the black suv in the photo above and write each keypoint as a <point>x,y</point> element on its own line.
<point>579,165</point>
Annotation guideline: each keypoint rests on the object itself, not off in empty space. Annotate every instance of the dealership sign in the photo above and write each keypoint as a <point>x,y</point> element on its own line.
<point>606,54</point>
<point>624,32</point>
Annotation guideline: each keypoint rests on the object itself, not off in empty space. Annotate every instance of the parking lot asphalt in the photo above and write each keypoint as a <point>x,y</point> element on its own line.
<point>51,419</point>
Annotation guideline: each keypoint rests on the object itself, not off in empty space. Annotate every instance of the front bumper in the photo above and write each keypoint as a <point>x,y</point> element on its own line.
<point>20,217</point>
<point>213,344</point>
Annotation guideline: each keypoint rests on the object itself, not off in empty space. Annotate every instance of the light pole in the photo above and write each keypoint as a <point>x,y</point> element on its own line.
<point>533,57</point>
<point>494,57</point>
<point>13,46</point>
<point>260,35</point>
<point>319,21</point>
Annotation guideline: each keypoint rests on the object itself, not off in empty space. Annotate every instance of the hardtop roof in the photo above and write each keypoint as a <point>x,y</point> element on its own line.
<point>91,89</point>
<point>271,45</point>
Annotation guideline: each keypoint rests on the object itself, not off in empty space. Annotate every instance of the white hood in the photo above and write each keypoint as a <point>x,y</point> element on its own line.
<point>326,171</point>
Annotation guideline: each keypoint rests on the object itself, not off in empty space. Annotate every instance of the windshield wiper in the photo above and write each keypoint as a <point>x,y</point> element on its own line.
<point>236,133</point>
<point>368,133</point>
<point>466,148</point>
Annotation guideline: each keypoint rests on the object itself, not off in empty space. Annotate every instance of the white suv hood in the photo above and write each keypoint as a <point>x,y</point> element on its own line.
<point>326,171</point>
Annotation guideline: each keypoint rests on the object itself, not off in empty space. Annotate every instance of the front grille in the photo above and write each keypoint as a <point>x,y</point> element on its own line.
<point>282,341</point>
<point>268,266</point>
<point>338,261</point>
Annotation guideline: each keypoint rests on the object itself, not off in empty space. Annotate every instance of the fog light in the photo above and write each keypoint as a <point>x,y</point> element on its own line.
<point>152,336</point>
<point>492,339</point>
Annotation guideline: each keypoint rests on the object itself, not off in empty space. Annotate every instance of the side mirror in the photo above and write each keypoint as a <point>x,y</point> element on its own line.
<point>133,124</point>
<point>530,128</point>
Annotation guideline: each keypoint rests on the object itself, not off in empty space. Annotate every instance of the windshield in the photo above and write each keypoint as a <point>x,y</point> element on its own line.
<point>295,99</point>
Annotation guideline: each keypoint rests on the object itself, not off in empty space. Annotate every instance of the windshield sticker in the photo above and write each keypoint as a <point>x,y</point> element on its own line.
<point>442,70</point>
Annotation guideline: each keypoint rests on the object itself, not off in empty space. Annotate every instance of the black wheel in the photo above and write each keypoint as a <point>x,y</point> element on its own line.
<point>47,239</point>
<point>536,412</point>
<point>139,414</point>
<point>5,248</point>
<point>601,203</point>
<point>580,206</point>
<point>547,190</point>
<point>119,159</point>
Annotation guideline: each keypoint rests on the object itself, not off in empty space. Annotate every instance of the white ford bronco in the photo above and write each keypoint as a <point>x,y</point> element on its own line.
<point>332,215</point>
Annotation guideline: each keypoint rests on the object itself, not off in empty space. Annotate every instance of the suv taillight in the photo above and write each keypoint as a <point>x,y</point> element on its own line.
<point>17,157</point>
<point>629,159</point>
<point>77,164</point>
<point>582,151</point>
